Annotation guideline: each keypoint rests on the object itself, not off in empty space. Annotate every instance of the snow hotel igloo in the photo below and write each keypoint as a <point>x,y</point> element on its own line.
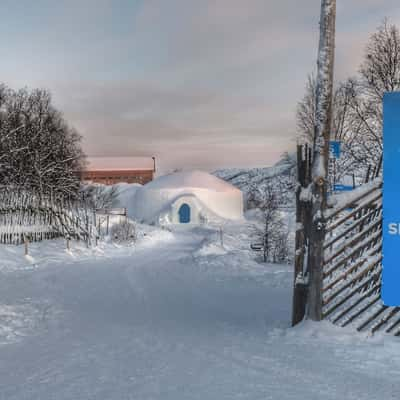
<point>193,197</point>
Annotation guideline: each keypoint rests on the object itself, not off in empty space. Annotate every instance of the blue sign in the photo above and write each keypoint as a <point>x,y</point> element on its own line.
<point>342,188</point>
<point>391,200</point>
<point>335,148</point>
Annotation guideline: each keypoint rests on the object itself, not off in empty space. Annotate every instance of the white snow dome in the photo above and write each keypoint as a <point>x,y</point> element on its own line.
<point>187,198</point>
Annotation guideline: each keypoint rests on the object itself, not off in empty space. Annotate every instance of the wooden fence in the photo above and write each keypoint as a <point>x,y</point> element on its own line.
<point>352,270</point>
<point>26,216</point>
<point>352,262</point>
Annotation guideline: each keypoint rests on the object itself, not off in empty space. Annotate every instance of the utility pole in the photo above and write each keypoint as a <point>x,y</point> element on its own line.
<point>326,56</point>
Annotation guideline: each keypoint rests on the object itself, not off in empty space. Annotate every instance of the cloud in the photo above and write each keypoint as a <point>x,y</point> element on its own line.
<point>199,83</point>
<point>137,114</point>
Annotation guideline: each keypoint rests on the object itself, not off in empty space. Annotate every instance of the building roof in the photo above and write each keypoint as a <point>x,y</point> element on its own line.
<point>119,163</point>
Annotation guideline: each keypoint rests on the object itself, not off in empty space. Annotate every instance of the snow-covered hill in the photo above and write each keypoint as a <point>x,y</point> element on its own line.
<point>253,181</point>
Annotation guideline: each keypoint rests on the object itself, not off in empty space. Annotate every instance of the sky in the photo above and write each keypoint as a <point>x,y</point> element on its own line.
<point>196,83</point>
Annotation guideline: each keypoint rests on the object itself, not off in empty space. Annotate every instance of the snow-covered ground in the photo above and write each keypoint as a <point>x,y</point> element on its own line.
<point>178,316</point>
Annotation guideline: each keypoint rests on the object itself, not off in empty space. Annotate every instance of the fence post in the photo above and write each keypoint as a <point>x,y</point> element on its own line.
<point>316,258</point>
<point>324,94</point>
<point>26,241</point>
<point>299,283</point>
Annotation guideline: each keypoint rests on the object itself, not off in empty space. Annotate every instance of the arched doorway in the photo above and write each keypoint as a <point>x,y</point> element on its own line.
<point>184,214</point>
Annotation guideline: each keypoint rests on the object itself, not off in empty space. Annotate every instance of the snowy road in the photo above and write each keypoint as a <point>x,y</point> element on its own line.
<point>173,322</point>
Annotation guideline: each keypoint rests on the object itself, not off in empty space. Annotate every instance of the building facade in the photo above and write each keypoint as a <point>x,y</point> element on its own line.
<point>112,170</point>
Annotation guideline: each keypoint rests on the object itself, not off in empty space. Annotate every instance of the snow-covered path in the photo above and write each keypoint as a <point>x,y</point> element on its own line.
<point>167,323</point>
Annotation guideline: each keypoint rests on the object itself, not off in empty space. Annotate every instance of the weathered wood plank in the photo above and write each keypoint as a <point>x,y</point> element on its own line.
<point>385,319</point>
<point>352,306</point>
<point>353,226</point>
<point>370,319</point>
<point>360,287</point>
<point>362,310</point>
<point>371,228</point>
<point>356,278</point>
<point>331,214</point>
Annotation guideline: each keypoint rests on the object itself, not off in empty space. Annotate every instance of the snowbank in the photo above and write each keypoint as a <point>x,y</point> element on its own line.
<point>125,196</point>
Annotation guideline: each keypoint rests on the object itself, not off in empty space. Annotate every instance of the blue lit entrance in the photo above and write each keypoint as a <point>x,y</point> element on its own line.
<point>184,214</point>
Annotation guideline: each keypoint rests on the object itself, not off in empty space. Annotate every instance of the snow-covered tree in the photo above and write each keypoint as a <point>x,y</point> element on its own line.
<point>272,233</point>
<point>357,104</point>
<point>99,197</point>
<point>306,109</point>
<point>52,156</point>
<point>379,73</point>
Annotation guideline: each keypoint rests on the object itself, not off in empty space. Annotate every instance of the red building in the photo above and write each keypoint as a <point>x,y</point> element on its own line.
<point>111,170</point>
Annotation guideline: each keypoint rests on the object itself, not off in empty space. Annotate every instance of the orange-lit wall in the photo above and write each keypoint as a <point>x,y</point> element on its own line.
<point>110,177</point>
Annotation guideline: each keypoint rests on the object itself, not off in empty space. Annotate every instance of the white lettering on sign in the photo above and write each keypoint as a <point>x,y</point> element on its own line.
<point>394,228</point>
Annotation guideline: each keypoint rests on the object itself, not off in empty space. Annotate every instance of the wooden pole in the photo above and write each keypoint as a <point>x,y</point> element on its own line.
<point>378,168</point>
<point>368,172</point>
<point>299,287</point>
<point>26,246</point>
<point>326,56</point>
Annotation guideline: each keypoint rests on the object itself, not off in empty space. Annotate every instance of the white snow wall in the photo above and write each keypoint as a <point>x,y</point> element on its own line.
<point>151,205</point>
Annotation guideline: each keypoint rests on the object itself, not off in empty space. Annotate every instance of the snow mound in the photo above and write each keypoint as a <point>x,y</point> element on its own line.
<point>191,179</point>
<point>206,197</point>
<point>125,196</point>
<point>210,249</point>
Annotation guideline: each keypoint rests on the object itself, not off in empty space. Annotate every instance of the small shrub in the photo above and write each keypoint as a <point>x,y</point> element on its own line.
<point>124,232</point>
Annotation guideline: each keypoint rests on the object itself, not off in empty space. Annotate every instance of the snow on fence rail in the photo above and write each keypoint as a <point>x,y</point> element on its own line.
<point>352,262</point>
<point>112,211</point>
<point>26,216</point>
